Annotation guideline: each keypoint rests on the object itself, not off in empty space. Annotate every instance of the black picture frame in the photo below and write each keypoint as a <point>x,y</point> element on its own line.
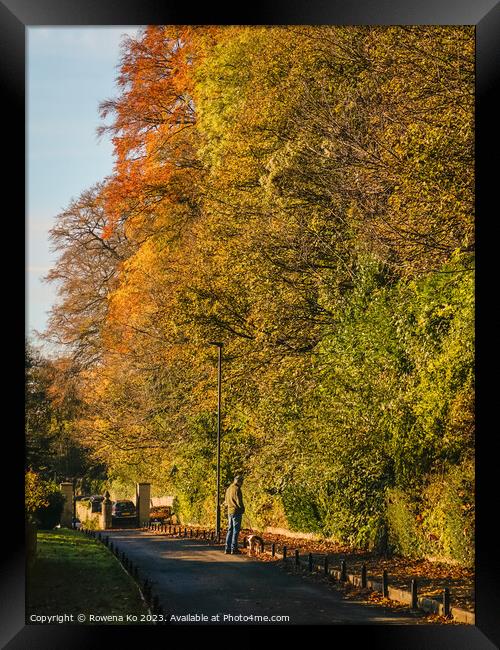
<point>16,16</point>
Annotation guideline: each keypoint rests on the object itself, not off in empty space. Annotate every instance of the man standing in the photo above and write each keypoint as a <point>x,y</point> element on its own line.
<point>235,510</point>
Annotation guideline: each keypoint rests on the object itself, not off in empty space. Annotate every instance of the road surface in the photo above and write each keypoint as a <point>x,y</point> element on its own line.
<point>195,578</point>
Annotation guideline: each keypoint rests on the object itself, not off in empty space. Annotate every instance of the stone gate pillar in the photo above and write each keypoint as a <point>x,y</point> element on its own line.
<point>142,501</point>
<point>67,512</point>
<point>106,517</point>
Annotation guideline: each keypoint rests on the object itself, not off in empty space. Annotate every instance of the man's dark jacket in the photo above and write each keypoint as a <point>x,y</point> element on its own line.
<point>234,500</point>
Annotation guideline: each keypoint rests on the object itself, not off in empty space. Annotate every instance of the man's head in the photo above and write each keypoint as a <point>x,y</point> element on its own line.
<point>238,479</point>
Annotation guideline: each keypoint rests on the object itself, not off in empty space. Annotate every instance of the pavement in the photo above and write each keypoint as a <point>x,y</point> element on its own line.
<point>195,579</point>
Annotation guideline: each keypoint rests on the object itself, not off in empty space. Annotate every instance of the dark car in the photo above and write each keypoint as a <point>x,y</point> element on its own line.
<point>123,509</point>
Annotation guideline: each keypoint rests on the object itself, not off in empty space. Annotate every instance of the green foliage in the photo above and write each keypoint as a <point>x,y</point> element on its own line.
<point>49,515</point>
<point>404,536</point>
<point>449,512</point>
<point>35,492</point>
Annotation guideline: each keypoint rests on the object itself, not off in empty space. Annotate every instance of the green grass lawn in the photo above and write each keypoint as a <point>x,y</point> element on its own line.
<point>75,574</point>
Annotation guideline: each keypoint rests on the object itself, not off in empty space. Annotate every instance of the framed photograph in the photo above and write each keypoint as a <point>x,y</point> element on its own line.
<point>254,333</point>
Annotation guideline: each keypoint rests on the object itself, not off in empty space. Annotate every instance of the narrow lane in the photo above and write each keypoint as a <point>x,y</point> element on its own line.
<point>193,577</point>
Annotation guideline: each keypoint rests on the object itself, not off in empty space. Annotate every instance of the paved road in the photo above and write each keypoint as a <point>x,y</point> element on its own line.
<point>191,576</point>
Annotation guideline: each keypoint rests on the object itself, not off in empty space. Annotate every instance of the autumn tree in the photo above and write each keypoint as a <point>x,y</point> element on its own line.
<point>303,194</point>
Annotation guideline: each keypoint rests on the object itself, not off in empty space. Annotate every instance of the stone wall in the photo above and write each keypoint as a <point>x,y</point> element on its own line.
<point>88,518</point>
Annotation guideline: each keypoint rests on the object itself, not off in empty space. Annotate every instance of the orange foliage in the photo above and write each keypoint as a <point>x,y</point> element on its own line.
<point>153,111</point>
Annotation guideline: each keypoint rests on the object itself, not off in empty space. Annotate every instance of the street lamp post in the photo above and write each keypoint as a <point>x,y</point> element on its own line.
<point>219,382</point>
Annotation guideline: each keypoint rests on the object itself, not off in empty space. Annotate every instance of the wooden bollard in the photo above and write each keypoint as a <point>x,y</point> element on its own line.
<point>310,562</point>
<point>343,571</point>
<point>385,585</point>
<point>273,549</point>
<point>284,553</point>
<point>325,565</point>
<point>414,594</point>
<point>297,559</point>
<point>446,602</point>
<point>190,532</point>
<point>363,576</point>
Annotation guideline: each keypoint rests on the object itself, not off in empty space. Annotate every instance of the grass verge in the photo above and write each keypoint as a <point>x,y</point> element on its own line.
<point>75,574</point>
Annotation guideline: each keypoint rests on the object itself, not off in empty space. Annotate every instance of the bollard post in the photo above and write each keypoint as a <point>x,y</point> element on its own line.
<point>297,559</point>
<point>310,562</point>
<point>273,549</point>
<point>185,532</point>
<point>446,602</point>
<point>414,594</point>
<point>363,576</point>
<point>190,532</point>
<point>385,585</point>
<point>326,565</point>
<point>284,553</point>
<point>343,571</point>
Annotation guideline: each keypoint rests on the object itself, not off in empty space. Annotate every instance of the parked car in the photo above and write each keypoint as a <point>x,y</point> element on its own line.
<point>123,509</point>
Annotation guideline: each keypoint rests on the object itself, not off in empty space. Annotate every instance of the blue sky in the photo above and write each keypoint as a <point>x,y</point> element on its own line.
<point>69,72</point>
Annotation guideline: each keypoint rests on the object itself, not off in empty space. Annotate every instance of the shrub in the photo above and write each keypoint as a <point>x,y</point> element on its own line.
<point>404,537</point>
<point>448,518</point>
<point>49,515</point>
